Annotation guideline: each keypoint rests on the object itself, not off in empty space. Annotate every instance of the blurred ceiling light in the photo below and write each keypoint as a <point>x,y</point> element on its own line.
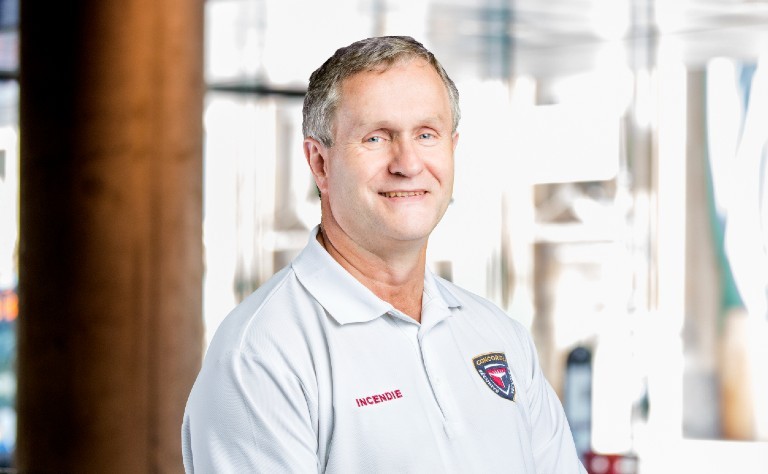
<point>643,103</point>
<point>566,143</point>
<point>670,15</point>
<point>524,91</point>
<point>610,18</point>
<point>608,86</point>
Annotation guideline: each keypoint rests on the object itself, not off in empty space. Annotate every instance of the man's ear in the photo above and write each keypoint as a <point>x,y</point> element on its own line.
<point>316,153</point>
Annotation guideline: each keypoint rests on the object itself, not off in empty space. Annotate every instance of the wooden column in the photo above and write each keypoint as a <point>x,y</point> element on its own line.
<point>110,265</point>
<point>701,403</point>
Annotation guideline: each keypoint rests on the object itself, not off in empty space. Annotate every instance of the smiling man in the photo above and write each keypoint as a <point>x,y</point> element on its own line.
<point>355,357</point>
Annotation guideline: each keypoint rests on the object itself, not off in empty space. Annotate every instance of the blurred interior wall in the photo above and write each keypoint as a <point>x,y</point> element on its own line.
<point>110,337</point>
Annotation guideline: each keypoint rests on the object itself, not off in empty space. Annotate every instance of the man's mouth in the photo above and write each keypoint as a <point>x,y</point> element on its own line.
<point>401,194</point>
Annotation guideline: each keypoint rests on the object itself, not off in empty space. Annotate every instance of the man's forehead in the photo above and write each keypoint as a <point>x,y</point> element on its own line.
<point>361,119</point>
<point>371,118</point>
<point>358,80</point>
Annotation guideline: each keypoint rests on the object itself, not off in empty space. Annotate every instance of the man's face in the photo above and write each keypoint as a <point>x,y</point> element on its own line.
<point>389,175</point>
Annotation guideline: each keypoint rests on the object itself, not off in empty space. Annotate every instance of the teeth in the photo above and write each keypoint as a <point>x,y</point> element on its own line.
<point>403,194</point>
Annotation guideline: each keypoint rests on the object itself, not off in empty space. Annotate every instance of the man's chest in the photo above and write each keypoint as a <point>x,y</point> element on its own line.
<point>443,399</point>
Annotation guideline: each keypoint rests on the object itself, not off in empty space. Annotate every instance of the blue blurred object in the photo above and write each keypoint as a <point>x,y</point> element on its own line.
<point>578,398</point>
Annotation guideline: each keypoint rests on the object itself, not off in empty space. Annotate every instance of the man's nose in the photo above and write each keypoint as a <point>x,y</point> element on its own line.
<point>406,159</point>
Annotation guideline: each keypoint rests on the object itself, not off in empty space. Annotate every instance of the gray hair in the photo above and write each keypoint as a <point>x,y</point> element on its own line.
<point>369,54</point>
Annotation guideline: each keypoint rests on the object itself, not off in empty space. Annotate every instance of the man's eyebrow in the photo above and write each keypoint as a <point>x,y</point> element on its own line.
<point>372,125</point>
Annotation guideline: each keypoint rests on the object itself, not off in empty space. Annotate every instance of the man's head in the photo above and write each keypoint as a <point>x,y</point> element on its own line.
<point>379,53</point>
<point>380,133</point>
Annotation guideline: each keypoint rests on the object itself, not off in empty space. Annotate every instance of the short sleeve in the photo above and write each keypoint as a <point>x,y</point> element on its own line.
<point>248,415</point>
<point>553,447</point>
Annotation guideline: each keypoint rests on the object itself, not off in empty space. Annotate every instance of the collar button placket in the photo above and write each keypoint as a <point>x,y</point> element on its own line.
<point>432,375</point>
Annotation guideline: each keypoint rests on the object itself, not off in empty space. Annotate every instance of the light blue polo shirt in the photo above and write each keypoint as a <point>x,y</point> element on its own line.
<point>313,372</point>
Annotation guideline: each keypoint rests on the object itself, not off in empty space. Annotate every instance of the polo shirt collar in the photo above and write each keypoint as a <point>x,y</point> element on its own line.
<point>346,299</point>
<point>436,304</point>
<point>437,288</point>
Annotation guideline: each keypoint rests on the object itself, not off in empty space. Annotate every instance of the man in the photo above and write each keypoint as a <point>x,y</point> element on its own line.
<point>356,358</point>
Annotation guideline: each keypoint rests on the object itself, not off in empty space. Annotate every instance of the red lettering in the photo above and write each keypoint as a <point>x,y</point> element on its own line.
<point>378,398</point>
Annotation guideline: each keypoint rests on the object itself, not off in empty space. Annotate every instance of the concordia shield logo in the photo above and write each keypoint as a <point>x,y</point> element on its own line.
<point>494,371</point>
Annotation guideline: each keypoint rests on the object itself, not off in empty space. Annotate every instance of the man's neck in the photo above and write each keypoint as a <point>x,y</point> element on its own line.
<point>395,277</point>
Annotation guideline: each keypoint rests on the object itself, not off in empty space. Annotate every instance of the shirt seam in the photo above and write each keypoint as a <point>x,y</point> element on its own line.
<point>257,311</point>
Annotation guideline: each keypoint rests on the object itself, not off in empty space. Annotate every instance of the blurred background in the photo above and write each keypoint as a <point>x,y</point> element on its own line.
<point>611,194</point>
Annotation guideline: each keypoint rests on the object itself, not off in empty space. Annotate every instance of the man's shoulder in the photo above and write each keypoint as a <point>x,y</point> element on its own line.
<point>276,312</point>
<point>468,298</point>
<point>481,309</point>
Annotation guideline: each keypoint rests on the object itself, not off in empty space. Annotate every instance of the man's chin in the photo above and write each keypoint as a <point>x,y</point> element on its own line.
<point>405,235</point>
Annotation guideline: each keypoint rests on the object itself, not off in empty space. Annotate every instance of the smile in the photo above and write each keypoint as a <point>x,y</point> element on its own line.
<point>400,194</point>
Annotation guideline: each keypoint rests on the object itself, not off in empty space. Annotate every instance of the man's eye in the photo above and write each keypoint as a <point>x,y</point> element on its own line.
<point>426,136</point>
<point>374,140</point>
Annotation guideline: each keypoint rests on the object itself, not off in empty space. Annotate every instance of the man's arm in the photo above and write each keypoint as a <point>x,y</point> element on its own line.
<point>552,441</point>
<point>248,415</point>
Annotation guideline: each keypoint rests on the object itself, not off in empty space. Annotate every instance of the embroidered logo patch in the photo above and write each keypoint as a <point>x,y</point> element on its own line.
<point>494,371</point>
